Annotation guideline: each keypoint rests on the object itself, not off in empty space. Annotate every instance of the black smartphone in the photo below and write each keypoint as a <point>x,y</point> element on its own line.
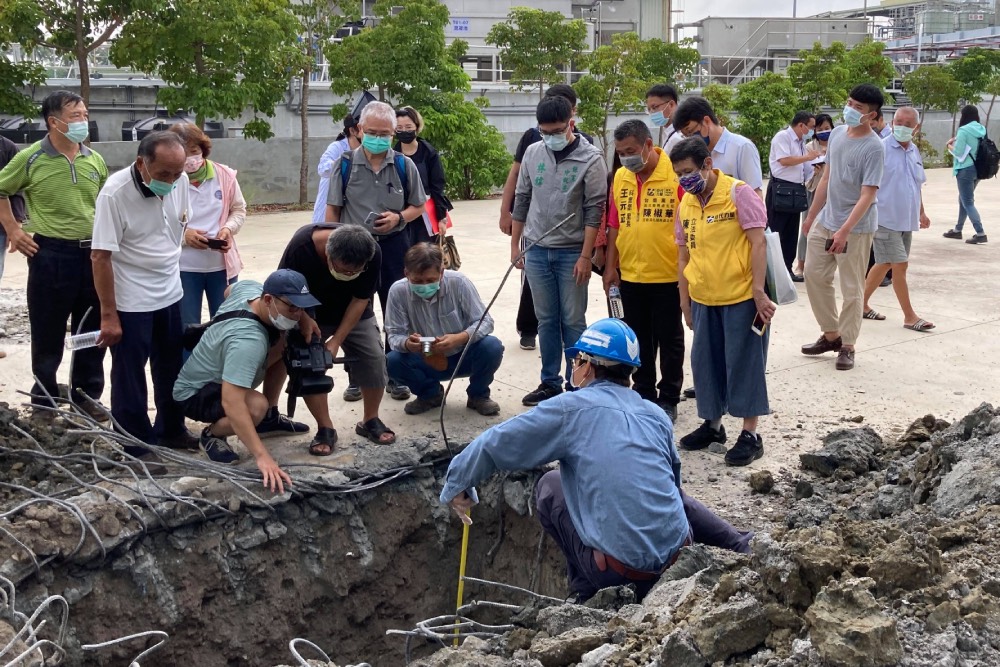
<point>758,326</point>
<point>216,244</point>
<point>829,243</point>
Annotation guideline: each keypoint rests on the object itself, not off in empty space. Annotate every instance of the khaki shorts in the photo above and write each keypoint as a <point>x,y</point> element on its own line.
<point>364,344</point>
<point>892,247</point>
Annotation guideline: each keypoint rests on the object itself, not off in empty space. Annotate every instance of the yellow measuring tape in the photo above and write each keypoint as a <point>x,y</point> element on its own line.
<point>466,522</point>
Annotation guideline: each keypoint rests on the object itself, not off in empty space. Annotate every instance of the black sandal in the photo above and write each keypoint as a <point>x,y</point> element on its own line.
<point>325,437</point>
<point>373,430</point>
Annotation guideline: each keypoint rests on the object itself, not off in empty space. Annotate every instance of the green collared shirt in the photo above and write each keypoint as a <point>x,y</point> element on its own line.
<point>60,193</point>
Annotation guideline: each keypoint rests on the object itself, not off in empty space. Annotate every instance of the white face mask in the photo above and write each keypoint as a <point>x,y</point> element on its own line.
<point>572,379</point>
<point>280,322</point>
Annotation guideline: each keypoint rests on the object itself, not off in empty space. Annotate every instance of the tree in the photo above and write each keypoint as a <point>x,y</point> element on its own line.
<point>975,72</point>
<point>933,87</point>
<point>402,54</point>
<point>866,64</point>
<point>404,58</point>
<point>821,77</point>
<point>722,98</point>
<point>472,151</point>
<point>14,76</point>
<point>67,26</point>
<point>218,56</point>
<point>765,105</point>
<point>318,21</point>
<point>536,45</point>
<point>621,73</point>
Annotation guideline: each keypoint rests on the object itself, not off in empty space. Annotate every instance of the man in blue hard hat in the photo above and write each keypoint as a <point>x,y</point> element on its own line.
<point>606,438</point>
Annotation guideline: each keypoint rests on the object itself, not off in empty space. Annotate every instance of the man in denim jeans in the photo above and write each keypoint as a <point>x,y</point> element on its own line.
<point>560,176</point>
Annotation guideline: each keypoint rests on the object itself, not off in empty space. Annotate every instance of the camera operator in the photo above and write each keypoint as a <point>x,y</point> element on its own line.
<point>216,383</point>
<point>341,264</point>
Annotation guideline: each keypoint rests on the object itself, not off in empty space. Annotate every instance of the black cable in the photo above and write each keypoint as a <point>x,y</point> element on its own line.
<point>465,350</point>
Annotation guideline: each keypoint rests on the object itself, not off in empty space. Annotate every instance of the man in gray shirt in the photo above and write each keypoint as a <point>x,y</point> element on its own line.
<point>432,316</point>
<point>844,205</point>
<point>560,176</point>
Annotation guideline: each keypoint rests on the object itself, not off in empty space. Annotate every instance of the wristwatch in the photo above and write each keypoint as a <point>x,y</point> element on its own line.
<point>402,220</point>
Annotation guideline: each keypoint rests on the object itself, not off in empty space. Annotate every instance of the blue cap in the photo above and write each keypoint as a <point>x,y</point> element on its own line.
<point>610,340</point>
<point>291,286</point>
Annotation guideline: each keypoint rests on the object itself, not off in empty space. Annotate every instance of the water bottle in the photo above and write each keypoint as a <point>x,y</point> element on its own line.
<point>615,297</point>
<point>82,341</point>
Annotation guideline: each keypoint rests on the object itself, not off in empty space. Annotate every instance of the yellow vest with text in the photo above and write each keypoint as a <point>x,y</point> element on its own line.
<point>718,271</point>
<point>647,249</point>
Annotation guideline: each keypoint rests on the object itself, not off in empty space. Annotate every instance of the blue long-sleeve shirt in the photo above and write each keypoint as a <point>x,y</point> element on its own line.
<point>620,472</point>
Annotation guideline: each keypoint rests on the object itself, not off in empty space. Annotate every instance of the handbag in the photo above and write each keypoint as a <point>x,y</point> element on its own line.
<point>778,283</point>
<point>452,259</point>
<point>787,197</point>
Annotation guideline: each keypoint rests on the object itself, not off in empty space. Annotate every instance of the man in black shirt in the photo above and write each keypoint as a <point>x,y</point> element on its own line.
<point>341,264</point>
<point>527,323</point>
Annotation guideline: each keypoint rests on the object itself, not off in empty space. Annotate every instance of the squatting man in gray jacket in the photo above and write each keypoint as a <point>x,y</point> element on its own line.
<point>560,175</point>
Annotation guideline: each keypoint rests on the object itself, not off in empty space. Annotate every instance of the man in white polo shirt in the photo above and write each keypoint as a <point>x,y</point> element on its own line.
<point>790,169</point>
<point>138,230</point>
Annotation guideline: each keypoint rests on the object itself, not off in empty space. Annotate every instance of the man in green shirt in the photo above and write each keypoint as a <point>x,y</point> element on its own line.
<point>60,179</point>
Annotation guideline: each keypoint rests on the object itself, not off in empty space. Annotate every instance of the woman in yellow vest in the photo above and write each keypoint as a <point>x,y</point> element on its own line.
<point>722,260</point>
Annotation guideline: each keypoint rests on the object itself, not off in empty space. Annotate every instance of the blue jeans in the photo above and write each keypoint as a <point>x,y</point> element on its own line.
<point>560,306</point>
<point>212,285</point>
<point>967,183</point>
<point>480,365</point>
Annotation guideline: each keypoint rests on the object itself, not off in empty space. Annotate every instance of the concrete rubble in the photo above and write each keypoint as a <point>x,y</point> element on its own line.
<point>887,554</point>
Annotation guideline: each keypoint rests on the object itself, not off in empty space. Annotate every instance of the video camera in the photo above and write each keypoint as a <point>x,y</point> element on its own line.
<point>307,364</point>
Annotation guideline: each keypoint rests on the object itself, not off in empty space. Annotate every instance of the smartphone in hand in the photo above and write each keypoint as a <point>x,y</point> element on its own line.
<point>216,244</point>
<point>370,221</point>
<point>829,244</point>
<point>758,326</point>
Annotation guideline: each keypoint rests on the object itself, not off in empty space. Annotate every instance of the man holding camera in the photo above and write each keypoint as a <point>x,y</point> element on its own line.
<point>244,341</point>
<point>341,264</point>
<point>431,316</point>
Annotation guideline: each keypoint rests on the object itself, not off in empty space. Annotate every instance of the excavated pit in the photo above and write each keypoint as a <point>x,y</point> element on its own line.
<point>338,568</point>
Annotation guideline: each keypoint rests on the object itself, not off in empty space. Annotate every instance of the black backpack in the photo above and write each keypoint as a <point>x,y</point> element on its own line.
<point>194,332</point>
<point>989,159</point>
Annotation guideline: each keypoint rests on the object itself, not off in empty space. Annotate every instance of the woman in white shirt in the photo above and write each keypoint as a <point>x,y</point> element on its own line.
<point>209,258</point>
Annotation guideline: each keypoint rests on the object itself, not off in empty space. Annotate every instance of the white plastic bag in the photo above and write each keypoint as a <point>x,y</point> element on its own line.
<point>779,285</point>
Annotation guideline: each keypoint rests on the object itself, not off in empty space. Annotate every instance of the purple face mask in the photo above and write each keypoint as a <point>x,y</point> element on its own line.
<point>693,183</point>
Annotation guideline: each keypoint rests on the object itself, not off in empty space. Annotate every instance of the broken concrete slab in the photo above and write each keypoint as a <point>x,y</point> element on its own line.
<point>849,629</point>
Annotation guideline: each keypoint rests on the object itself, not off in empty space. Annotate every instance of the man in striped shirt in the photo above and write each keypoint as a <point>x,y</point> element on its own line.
<point>60,179</point>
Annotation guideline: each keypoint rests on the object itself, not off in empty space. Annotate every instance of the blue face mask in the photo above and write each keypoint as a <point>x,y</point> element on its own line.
<point>824,135</point>
<point>902,133</point>
<point>159,188</point>
<point>425,291</point>
<point>555,143</point>
<point>852,116</point>
<point>77,132</point>
<point>658,119</point>
<point>809,135</point>
<point>376,145</point>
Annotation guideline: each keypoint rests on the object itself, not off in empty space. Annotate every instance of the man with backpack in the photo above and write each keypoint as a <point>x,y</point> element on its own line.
<point>381,190</point>
<point>246,338</point>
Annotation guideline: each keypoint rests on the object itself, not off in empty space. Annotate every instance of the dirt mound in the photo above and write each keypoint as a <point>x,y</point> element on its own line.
<point>886,554</point>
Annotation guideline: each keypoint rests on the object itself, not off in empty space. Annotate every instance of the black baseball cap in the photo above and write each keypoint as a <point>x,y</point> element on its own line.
<point>291,286</point>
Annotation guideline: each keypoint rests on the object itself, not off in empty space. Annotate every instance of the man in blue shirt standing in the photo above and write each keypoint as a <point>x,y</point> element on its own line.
<point>606,438</point>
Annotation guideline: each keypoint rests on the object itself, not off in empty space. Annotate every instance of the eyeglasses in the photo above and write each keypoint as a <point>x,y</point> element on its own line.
<point>656,107</point>
<point>378,135</point>
<point>291,308</point>
<point>348,272</point>
<point>691,131</point>
<point>554,133</point>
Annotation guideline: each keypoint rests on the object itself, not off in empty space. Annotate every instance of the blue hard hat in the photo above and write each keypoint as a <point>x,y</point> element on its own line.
<point>609,339</point>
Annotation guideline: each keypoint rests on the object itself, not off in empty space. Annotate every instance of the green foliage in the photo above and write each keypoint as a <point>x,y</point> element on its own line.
<point>931,157</point>
<point>933,87</point>
<point>975,72</point>
<point>668,62</point>
<point>765,105</point>
<point>535,45</point>
<point>403,54</point>
<point>14,77</point>
<point>866,64</point>
<point>219,56</point>
<point>473,152</point>
<point>67,26</point>
<point>722,98</point>
<point>821,78</point>
<point>621,73</point>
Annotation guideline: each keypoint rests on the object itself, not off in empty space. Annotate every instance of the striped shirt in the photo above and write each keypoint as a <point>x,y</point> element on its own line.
<point>60,194</point>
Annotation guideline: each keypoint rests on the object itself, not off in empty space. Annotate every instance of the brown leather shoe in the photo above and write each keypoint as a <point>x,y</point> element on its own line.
<point>823,345</point>
<point>845,359</point>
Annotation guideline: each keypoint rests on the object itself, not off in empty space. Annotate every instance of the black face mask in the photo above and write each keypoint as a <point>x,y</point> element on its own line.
<point>406,137</point>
